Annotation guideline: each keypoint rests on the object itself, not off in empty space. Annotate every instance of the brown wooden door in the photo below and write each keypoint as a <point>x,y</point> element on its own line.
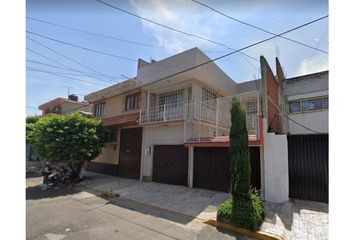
<point>170,164</point>
<point>130,153</point>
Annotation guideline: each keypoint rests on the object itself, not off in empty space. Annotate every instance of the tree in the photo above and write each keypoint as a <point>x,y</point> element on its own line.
<point>71,138</point>
<point>245,209</point>
<point>30,121</point>
<point>239,151</point>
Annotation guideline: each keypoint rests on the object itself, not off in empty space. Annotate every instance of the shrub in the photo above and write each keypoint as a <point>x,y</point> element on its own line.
<point>245,208</point>
<point>245,211</point>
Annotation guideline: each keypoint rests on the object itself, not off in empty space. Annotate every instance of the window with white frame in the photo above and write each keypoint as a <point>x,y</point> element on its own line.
<point>172,98</point>
<point>100,109</point>
<point>308,104</point>
<point>132,101</point>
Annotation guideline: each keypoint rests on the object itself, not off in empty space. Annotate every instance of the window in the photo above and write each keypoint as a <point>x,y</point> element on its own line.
<point>132,101</point>
<point>308,105</point>
<point>171,98</point>
<point>294,107</point>
<point>100,109</point>
<point>208,94</point>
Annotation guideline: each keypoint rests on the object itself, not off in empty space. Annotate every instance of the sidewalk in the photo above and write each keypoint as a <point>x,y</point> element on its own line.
<point>296,219</point>
<point>194,202</point>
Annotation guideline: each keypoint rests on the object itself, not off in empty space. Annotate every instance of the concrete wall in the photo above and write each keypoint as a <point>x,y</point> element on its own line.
<point>275,167</point>
<point>209,74</point>
<point>109,154</point>
<point>317,121</point>
<point>159,135</point>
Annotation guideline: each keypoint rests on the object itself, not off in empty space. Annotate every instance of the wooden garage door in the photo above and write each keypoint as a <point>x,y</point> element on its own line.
<point>170,164</point>
<point>130,153</point>
<point>211,168</point>
<point>308,167</point>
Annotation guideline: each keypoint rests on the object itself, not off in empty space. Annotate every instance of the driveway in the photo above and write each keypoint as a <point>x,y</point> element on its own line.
<point>295,219</point>
<point>82,215</point>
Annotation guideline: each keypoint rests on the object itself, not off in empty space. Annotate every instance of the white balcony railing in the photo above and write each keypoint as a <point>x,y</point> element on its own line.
<point>162,113</point>
<point>208,119</point>
<point>205,120</point>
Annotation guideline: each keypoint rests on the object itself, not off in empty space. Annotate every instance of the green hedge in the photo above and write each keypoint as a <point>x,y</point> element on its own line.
<point>245,210</point>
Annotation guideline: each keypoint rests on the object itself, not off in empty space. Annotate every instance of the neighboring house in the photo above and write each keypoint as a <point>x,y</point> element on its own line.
<point>64,106</point>
<point>58,106</point>
<point>306,99</point>
<point>171,125</point>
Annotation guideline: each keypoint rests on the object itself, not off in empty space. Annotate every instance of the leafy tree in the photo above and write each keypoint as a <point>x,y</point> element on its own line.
<point>30,121</point>
<point>71,138</point>
<point>239,151</point>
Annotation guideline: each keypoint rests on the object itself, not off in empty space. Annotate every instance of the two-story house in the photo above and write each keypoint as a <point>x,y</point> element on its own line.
<point>172,121</point>
<point>64,106</point>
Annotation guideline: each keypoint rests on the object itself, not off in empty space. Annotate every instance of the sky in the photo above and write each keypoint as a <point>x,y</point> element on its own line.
<point>117,40</point>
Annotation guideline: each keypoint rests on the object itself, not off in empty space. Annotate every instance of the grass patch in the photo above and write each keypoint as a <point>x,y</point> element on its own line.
<point>245,211</point>
<point>108,194</point>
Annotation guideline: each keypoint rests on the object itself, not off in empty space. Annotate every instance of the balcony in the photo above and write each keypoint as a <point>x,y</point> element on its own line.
<point>210,121</point>
<point>162,113</point>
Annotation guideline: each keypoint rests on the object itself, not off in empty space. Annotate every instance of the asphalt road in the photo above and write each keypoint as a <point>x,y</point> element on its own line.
<point>78,214</point>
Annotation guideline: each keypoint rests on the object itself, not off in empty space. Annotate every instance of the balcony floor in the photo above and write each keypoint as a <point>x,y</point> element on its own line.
<point>220,141</point>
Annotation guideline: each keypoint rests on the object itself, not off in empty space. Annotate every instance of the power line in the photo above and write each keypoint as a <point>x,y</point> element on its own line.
<point>241,49</point>
<point>77,62</point>
<point>57,74</point>
<point>84,48</point>
<point>64,68</point>
<point>95,34</point>
<point>256,27</point>
<point>51,59</point>
<point>173,29</point>
<point>311,130</point>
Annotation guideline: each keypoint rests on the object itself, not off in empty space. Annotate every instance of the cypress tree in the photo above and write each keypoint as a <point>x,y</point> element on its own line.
<point>239,151</point>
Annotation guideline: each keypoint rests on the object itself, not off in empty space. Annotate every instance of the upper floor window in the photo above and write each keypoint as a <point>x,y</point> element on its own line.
<point>308,105</point>
<point>171,98</point>
<point>208,94</point>
<point>100,109</point>
<point>132,101</point>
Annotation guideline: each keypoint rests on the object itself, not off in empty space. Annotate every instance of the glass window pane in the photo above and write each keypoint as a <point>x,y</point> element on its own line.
<point>312,104</point>
<point>294,107</point>
<point>325,103</point>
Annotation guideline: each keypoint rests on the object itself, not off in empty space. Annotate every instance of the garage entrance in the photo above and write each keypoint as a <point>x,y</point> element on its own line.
<point>308,167</point>
<point>211,169</point>
<point>130,153</point>
<point>170,164</point>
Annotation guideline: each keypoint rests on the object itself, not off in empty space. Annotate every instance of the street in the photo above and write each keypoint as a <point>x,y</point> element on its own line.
<point>78,214</point>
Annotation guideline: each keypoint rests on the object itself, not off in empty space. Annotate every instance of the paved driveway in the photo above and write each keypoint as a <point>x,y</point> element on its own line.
<point>76,214</point>
<point>295,219</point>
<point>195,202</point>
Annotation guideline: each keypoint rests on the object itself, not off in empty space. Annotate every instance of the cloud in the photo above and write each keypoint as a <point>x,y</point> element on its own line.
<point>315,64</point>
<point>187,19</point>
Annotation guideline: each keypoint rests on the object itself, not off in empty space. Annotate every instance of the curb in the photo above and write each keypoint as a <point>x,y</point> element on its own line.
<point>258,234</point>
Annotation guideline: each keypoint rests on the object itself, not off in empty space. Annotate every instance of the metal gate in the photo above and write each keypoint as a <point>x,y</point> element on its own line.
<point>211,168</point>
<point>170,164</point>
<point>308,167</point>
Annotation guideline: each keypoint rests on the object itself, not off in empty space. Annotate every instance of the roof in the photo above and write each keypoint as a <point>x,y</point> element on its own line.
<point>307,75</point>
<point>130,118</point>
<point>59,101</point>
